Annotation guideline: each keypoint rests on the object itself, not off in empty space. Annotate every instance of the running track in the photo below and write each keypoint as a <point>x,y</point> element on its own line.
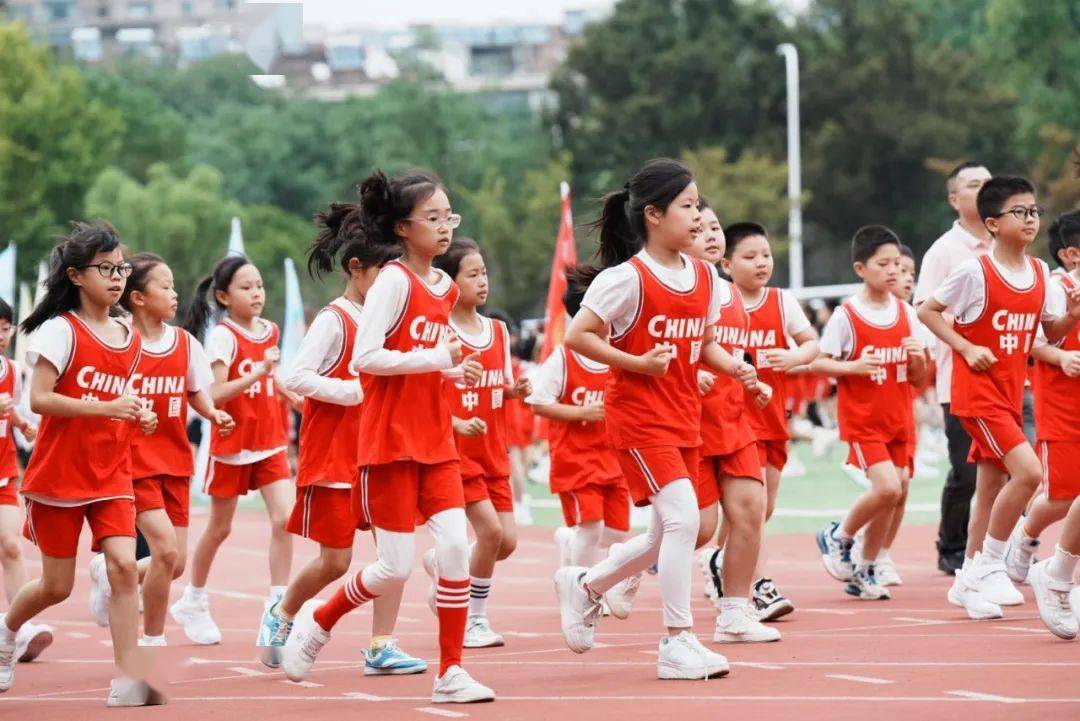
<point>840,658</point>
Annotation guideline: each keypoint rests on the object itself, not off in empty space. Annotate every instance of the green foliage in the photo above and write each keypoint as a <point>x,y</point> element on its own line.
<point>754,187</point>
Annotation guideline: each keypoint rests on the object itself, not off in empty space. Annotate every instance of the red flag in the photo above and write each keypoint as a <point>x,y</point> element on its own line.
<point>565,257</point>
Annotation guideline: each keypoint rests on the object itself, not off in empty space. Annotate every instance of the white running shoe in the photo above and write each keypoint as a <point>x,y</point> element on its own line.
<point>579,609</point>
<point>31,640</point>
<point>194,615</point>
<point>711,564</point>
<point>100,591</point>
<point>479,634</point>
<point>152,641</point>
<point>523,512</point>
<point>457,686</point>
<point>1019,553</point>
<point>836,552</point>
<point>968,597</point>
<point>7,665</point>
<point>620,597</point>
<point>1052,598</point>
<point>306,640</point>
<point>431,568</point>
<point>741,625</point>
<point>125,692</point>
<point>769,603</point>
<point>794,468</point>
<point>683,657</point>
<point>864,584</point>
<point>993,582</point>
<point>563,538</point>
<point>887,574</point>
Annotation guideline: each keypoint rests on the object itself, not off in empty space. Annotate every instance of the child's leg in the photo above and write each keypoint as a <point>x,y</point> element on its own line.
<point>329,566</point>
<point>707,522</point>
<point>1063,565</point>
<point>217,530</point>
<point>11,551</point>
<point>509,536</point>
<point>485,524</point>
<point>898,511</point>
<point>53,587</point>
<point>874,508</point>
<point>518,468</point>
<point>387,575</point>
<point>988,482</point>
<point>744,511</point>
<point>452,587</point>
<point>585,545</point>
<point>384,614</point>
<point>1025,474</point>
<point>279,498</point>
<point>181,551</point>
<point>1045,512</point>
<point>123,603</point>
<point>772,488</point>
<point>610,536</point>
<point>159,533</point>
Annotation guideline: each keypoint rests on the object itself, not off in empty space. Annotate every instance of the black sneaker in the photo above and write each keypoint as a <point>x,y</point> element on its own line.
<point>769,603</point>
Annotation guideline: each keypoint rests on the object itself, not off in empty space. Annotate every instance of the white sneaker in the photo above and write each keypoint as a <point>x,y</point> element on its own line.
<point>152,641</point>
<point>741,625</point>
<point>683,657</point>
<point>457,686</point>
<point>133,692</point>
<point>31,640</point>
<point>431,568</point>
<point>579,610</point>
<point>887,575</point>
<point>194,615</point>
<point>769,603</point>
<point>7,665</point>
<point>864,584</point>
<point>794,467</point>
<point>711,564</point>
<point>523,512</point>
<point>1052,598</point>
<point>563,538</point>
<point>993,582</point>
<point>620,597</point>
<point>479,634</point>
<point>1019,553</point>
<point>100,591</point>
<point>967,597</point>
<point>306,640</point>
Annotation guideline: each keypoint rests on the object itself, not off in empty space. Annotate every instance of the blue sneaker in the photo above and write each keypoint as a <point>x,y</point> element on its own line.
<point>273,633</point>
<point>390,660</point>
<point>836,553</point>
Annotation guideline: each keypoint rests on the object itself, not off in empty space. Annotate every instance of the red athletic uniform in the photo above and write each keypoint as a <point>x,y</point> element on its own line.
<point>9,465</point>
<point>769,424</point>
<point>1055,417</point>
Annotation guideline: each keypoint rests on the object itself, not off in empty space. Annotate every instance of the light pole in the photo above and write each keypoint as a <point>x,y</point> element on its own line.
<point>795,253</point>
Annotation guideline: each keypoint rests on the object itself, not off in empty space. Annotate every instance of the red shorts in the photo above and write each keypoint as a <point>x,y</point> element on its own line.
<point>743,463</point>
<point>226,480</point>
<point>865,454</point>
<point>393,496</point>
<point>992,437</point>
<point>647,470</point>
<point>1061,473</point>
<point>9,494</point>
<point>55,529</point>
<point>173,493</point>
<point>493,488</point>
<point>609,503</point>
<point>773,453</point>
<point>325,516</point>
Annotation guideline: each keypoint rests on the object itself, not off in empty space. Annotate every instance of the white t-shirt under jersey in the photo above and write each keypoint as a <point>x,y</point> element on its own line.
<point>964,292</point>
<point>838,340</point>
<point>482,340</point>
<point>548,378</point>
<point>795,320</point>
<point>318,351</point>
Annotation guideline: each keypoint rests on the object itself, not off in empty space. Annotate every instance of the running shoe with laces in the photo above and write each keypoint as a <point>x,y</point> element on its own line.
<point>579,608</point>
<point>304,643</point>
<point>479,634</point>
<point>388,659</point>
<point>769,603</point>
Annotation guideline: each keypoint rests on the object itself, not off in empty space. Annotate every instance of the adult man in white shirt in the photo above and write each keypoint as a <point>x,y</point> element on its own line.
<point>966,239</point>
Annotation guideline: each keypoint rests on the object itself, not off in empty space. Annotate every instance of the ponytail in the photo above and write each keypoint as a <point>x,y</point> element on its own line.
<point>385,201</point>
<point>200,311</point>
<point>341,234</point>
<point>75,250</point>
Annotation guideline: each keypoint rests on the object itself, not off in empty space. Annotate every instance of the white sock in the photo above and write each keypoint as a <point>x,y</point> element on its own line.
<point>728,604</point>
<point>153,638</point>
<point>277,593</point>
<point>882,555</point>
<point>1062,565</point>
<point>195,593</point>
<point>993,549</point>
<point>968,561</point>
<point>479,589</point>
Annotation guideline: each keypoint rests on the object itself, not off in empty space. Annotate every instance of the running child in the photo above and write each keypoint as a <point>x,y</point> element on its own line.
<point>243,353</point>
<point>870,345</point>
<point>661,306</point>
<point>409,467</point>
<point>329,431</point>
<point>998,300</point>
<point>83,359</point>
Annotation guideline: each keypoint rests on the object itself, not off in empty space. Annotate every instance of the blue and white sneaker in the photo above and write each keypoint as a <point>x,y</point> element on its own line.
<point>273,633</point>
<point>836,553</point>
<point>864,585</point>
<point>390,660</point>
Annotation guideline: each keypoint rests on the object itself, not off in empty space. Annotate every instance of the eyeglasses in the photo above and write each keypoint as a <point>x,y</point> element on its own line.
<point>108,269</point>
<point>1022,214</point>
<point>451,220</point>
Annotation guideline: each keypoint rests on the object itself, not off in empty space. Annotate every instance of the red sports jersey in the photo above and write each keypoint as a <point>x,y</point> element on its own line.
<point>876,408</point>
<point>161,380</point>
<point>486,454</point>
<point>724,428</point>
<point>328,431</point>
<point>1006,326</point>
<point>9,466</point>
<point>1055,392</point>
<point>649,411</point>
<point>257,411</point>
<point>768,332</point>
<point>407,417</point>
<point>87,458</point>
<point>581,453</point>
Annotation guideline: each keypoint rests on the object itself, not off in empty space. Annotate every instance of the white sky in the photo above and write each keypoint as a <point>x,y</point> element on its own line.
<point>398,13</point>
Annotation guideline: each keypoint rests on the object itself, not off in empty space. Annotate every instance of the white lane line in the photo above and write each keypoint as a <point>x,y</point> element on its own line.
<point>976,696</point>
<point>922,621</point>
<point>756,664</point>
<point>956,697</point>
<point>77,634</point>
<point>358,696</point>
<point>440,712</point>
<point>858,679</point>
<point>1024,629</point>
<point>246,671</point>
<point>302,684</point>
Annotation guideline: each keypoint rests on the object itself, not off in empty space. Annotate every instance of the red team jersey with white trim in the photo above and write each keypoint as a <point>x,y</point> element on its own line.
<point>161,380</point>
<point>486,454</point>
<point>9,466</point>
<point>80,459</point>
<point>649,411</point>
<point>260,425</point>
<point>876,408</point>
<point>407,417</point>
<point>768,332</point>
<point>1055,392</point>
<point>724,427</point>
<point>328,431</point>
<point>581,453</point>
<point>1007,326</point>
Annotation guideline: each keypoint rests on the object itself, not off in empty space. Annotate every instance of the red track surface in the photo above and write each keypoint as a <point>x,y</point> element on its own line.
<point>840,658</point>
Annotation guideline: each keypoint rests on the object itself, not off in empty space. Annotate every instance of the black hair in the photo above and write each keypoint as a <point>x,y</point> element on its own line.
<point>384,201</point>
<point>75,250</point>
<point>505,318</point>
<point>703,203</point>
<point>5,311</point>
<point>341,235</point>
<point>738,232</point>
<point>998,189</point>
<point>1064,233</point>
<point>141,265</point>
<point>572,298</point>
<point>199,311</point>
<point>622,215</point>
<point>950,180</point>
<point>906,251</point>
<point>450,261</point>
<point>868,239</point>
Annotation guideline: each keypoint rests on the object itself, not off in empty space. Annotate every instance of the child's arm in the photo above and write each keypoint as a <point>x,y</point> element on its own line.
<point>827,365</point>
<point>918,360</point>
<point>223,390</point>
<point>786,360</point>
<point>1059,328</point>
<point>205,408</point>
<point>587,336</point>
<point>1067,361</point>
<point>979,358</point>
<point>468,426</point>
<point>45,401</point>
<point>568,413</point>
<point>319,343</point>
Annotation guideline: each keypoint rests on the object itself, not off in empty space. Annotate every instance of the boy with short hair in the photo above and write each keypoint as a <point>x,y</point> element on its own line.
<point>998,300</point>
